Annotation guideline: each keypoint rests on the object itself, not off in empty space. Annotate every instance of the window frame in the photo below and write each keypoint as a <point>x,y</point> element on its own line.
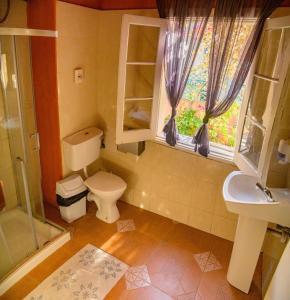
<point>240,160</point>
<point>136,135</point>
<point>217,152</point>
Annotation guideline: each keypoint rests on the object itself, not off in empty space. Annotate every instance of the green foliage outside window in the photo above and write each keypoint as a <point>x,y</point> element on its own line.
<point>222,130</point>
<point>190,111</point>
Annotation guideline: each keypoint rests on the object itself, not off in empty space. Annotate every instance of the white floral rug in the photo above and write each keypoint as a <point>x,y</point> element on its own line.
<point>89,274</point>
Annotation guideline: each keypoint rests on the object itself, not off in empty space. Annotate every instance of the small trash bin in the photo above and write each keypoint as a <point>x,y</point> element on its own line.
<point>71,195</point>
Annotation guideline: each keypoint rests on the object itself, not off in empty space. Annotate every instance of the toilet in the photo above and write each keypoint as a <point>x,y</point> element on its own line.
<point>80,150</point>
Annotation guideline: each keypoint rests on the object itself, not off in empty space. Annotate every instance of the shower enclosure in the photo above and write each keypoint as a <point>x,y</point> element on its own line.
<point>23,228</point>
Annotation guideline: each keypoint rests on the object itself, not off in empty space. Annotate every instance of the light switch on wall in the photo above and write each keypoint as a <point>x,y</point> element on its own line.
<point>78,75</point>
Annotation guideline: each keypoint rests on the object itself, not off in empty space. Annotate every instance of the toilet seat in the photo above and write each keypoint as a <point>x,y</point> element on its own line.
<point>105,182</point>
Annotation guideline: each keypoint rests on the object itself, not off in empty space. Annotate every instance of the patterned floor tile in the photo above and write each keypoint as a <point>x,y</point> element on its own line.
<point>207,261</point>
<point>165,248</point>
<point>137,277</point>
<point>125,225</point>
<point>89,274</point>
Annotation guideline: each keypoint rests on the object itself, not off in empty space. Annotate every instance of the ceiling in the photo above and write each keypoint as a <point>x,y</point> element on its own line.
<point>115,4</point>
<point>127,4</point>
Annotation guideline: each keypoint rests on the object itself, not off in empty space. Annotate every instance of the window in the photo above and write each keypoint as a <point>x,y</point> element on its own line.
<point>190,112</point>
<point>242,133</point>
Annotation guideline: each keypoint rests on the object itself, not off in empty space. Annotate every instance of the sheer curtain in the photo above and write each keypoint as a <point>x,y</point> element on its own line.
<point>224,83</point>
<point>187,22</point>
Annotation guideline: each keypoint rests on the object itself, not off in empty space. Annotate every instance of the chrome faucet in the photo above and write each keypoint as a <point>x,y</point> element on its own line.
<point>266,192</point>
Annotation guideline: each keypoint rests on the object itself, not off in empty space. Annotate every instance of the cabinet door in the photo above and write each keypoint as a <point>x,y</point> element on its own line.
<point>140,64</point>
<point>265,83</point>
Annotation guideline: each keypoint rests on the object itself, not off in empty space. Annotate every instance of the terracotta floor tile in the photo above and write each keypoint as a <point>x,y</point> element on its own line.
<point>20,289</point>
<point>132,248</point>
<point>158,259</point>
<point>168,283</point>
<point>222,250</point>
<point>117,291</point>
<point>146,293</point>
<point>165,247</point>
<point>49,265</point>
<point>188,296</point>
<point>190,279</point>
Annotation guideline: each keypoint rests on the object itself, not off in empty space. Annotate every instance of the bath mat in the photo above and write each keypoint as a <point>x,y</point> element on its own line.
<point>90,274</point>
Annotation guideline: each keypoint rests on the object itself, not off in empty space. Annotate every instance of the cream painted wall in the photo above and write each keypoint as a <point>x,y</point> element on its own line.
<point>77,47</point>
<point>182,186</point>
<point>179,185</point>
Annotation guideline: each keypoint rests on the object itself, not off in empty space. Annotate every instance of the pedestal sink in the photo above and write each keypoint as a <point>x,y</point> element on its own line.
<point>243,198</point>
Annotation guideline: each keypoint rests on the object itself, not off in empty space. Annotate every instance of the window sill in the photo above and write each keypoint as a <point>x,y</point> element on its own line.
<point>217,152</point>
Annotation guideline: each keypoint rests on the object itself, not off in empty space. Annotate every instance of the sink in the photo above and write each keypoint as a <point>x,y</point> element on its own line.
<point>245,199</point>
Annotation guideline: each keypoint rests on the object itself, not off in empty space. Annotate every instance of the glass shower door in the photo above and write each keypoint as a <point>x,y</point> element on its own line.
<point>19,160</point>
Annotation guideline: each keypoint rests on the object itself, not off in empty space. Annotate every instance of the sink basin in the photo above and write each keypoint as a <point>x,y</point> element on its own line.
<point>243,197</point>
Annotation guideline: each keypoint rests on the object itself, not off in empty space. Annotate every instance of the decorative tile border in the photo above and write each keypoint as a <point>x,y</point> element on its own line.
<point>137,277</point>
<point>125,225</point>
<point>90,274</point>
<point>207,261</point>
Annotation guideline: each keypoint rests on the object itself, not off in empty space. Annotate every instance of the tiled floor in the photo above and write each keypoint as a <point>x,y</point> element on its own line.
<point>167,260</point>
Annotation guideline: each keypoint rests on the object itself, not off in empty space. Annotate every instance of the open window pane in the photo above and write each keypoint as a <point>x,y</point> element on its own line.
<point>251,142</point>
<point>137,115</point>
<point>143,43</point>
<point>139,81</point>
<point>141,54</point>
<point>260,99</point>
<point>268,56</point>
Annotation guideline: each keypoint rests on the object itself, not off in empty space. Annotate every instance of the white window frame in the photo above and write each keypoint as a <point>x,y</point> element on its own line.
<point>136,135</point>
<point>156,125</point>
<point>282,64</point>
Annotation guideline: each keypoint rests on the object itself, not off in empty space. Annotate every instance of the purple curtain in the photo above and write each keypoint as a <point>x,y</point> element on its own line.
<point>224,83</point>
<point>187,22</point>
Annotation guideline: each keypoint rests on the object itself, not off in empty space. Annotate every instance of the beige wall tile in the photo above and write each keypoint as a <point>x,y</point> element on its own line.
<point>141,199</point>
<point>172,183</point>
<point>224,227</point>
<point>200,219</point>
<point>204,195</point>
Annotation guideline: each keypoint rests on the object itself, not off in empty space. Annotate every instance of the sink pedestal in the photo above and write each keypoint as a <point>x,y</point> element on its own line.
<point>247,247</point>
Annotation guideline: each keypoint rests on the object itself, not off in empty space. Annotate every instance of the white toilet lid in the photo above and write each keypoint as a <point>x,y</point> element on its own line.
<point>105,182</point>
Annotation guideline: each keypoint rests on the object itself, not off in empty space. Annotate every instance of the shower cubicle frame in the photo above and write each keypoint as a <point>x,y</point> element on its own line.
<point>40,254</point>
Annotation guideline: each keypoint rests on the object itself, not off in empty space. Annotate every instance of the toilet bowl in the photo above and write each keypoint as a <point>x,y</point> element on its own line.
<point>105,190</point>
<point>80,150</point>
